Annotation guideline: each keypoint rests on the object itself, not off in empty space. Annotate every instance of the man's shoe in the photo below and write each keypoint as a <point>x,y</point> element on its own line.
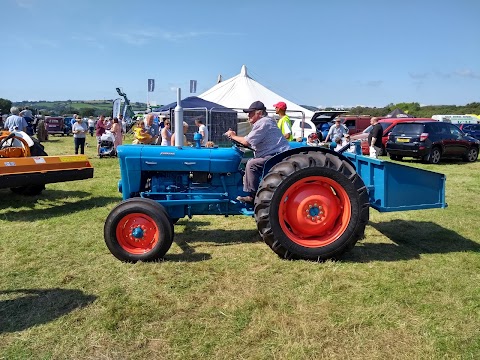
<point>245,199</point>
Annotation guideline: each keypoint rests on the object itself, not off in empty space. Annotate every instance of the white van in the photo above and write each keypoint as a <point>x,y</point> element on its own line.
<point>456,119</point>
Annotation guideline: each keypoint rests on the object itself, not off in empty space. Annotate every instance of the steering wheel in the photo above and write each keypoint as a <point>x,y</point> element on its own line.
<point>3,139</point>
<point>12,136</point>
<point>240,145</point>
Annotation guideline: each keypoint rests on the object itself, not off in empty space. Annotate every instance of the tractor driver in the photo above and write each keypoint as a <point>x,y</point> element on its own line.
<point>266,139</point>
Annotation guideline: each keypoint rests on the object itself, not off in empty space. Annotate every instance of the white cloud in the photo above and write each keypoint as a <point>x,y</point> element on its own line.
<point>47,43</point>
<point>90,41</point>
<point>26,4</point>
<point>418,76</point>
<point>374,83</point>
<point>467,73</point>
<point>142,37</point>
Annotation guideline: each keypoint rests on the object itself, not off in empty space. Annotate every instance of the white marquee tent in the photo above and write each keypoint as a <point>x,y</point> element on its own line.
<point>241,90</point>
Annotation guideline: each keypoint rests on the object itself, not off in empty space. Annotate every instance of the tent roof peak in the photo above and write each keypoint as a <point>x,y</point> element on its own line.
<point>243,71</point>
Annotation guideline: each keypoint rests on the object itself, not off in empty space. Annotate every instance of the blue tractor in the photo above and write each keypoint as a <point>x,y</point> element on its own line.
<point>312,203</point>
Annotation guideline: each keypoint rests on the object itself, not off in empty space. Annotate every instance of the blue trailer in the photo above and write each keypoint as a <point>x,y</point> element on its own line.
<point>312,203</point>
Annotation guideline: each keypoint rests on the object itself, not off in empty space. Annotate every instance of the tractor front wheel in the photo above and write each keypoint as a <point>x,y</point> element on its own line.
<point>138,230</point>
<point>312,206</point>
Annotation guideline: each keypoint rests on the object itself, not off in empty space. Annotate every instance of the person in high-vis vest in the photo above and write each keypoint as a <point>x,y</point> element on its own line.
<point>284,122</point>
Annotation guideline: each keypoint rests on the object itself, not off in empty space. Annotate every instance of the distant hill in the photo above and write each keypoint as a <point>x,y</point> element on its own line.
<point>82,107</point>
<point>311,108</point>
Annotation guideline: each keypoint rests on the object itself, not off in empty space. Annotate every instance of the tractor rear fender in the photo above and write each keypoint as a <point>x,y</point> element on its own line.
<point>391,186</point>
<point>300,150</point>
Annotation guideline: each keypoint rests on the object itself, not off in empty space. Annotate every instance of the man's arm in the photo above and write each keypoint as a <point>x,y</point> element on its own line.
<point>374,136</point>
<point>330,131</point>
<point>286,130</point>
<point>232,135</point>
<point>24,125</point>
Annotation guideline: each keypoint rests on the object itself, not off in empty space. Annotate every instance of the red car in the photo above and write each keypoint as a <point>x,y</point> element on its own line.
<point>387,125</point>
<point>55,125</point>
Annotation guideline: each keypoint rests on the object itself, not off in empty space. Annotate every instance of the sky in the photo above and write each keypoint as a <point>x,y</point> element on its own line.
<point>329,53</point>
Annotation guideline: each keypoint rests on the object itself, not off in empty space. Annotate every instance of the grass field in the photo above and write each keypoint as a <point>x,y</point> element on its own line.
<point>410,290</point>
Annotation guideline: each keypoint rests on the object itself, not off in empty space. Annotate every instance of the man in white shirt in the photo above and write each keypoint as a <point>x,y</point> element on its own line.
<point>15,122</point>
<point>202,130</point>
<point>336,130</point>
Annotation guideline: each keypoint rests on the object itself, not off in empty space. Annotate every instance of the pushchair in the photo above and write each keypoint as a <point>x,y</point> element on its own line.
<point>107,144</point>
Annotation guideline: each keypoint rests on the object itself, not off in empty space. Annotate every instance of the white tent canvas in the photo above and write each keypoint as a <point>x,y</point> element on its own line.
<point>241,90</point>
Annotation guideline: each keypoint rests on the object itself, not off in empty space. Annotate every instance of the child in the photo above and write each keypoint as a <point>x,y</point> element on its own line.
<point>140,134</point>
<point>312,140</point>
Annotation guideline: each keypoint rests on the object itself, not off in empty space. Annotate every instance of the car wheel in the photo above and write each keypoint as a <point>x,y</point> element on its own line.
<point>396,157</point>
<point>434,156</point>
<point>472,155</point>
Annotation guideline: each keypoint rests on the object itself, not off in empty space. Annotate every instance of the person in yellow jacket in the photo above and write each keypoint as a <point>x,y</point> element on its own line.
<point>284,122</point>
<point>141,136</point>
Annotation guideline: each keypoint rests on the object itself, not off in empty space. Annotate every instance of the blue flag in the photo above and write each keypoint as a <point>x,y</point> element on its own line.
<point>151,85</point>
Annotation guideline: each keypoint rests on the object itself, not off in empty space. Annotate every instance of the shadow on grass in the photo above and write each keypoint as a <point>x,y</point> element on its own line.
<point>220,237</point>
<point>25,308</point>
<point>51,203</point>
<point>410,240</point>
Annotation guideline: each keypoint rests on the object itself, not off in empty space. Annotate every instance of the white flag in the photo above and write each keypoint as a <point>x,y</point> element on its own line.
<point>117,103</point>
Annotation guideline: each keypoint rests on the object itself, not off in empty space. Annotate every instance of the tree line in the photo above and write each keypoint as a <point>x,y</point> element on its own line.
<point>105,107</point>
<point>59,108</point>
<point>416,110</point>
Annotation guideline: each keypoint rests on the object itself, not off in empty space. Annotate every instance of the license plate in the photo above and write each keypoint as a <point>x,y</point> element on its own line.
<point>403,140</point>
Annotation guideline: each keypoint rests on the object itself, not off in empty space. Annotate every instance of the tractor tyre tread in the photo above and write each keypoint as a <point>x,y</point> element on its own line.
<point>279,173</point>
<point>153,209</point>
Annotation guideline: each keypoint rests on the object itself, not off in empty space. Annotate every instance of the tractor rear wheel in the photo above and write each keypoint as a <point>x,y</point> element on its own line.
<point>138,230</point>
<point>312,206</point>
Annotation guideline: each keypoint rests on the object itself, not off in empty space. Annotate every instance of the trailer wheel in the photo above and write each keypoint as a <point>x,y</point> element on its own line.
<point>138,230</point>
<point>312,206</point>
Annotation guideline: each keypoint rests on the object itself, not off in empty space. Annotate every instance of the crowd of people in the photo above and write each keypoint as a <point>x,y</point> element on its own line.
<point>267,137</point>
<point>156,129</point>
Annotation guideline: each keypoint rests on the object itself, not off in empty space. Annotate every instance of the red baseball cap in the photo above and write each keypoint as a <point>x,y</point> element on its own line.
<point>280,105</point>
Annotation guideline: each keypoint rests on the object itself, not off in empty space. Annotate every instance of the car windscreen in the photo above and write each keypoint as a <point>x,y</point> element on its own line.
<point>408,128</point>
<point>384,126</point>
<point>472,127</point>
<point>367,130</point>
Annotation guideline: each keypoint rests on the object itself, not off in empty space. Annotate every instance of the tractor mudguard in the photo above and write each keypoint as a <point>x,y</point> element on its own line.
<point>300,149</point>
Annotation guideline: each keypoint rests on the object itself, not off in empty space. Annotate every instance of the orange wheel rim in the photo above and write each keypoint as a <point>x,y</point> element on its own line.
<point>137,233</point>
<point>315,211</point>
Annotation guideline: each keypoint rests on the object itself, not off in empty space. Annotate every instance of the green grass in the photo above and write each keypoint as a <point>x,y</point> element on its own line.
<point>410,290</point>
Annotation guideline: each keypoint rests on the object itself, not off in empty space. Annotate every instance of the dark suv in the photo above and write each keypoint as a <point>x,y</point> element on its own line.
<point>430,141</point>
